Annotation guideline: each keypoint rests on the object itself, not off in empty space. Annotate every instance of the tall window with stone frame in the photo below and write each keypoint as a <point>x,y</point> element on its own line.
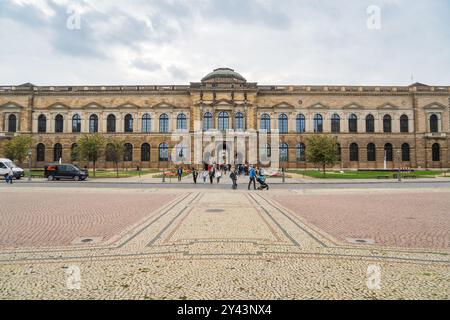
<point>76,124</point>
<point>335,123</point>
<point>207,121</point>
<point>300,152</point>
<point>371,152</point>
<point>128,152</point>
<point>42,124</point>
<point>389,152</point>
<point>353,123</point>
<point>434,123</point>
<point>12,123</point>
<point>145,152</point>
<point>265,152</point>
<point>283,123</point>
<point>93,123</point>
<point>404,124</point>
<point>128,123</point>
<point>57,152</point>
<point>163,151</point>
<point>111,123</point>
<point>164,123</point>
<point>387,124</point>
<point>284,152</point>
<point>318,123</point>
<point>406,153</point>
<point>223,121</point>
<point>59,124</point>
<point>40,152</point>
<point>436,152</point>
<point>265,122</point>
<point>354,152</point>
<point>146,123</point>
<point>370,123</point>
<point>181,122</point>
<point>239,121</point>
<point>300,123</point>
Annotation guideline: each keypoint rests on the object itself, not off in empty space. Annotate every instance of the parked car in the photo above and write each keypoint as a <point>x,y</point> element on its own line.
<point>6,164</point>
<point>64,172</point>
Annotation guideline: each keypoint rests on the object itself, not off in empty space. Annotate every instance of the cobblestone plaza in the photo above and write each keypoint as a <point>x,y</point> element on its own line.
<point>216,244</point>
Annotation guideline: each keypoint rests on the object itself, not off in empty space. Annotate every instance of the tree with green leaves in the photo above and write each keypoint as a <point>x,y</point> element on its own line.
<point>114,152</point>
<point>91,147</point>
<point>17,148</point>
<point>322,150</point>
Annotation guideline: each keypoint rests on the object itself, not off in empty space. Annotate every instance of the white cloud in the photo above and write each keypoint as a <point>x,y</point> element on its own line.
<point>268,41</point>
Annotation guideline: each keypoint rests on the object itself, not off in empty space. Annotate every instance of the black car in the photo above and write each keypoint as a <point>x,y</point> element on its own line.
<point>64,171</point>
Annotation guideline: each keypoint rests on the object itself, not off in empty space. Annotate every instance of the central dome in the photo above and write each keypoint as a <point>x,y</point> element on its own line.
<point>222,74</point>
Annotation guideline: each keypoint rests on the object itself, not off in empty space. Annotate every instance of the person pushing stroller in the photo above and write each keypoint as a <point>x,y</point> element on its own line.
<point>261,179</point>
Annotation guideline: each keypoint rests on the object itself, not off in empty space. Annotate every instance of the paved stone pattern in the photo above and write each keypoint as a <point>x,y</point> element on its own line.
<point>203,244</point>
<point>53,218</point>
<point>401,219</point>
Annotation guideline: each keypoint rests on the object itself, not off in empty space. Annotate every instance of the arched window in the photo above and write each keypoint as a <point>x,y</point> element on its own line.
<point>40,152</point>
<point>145,152</point>
<point>163,123</point>
<point>181,122</point>
<point>387,124</point>
<point>59,124</point>
<point>388,151</point>
<point>12,123</point>
<point>76,124</point>
<point>265,152</point>
<point>284,152</point>
<point>93,123</point>
<point>146,123</point>
<point>354,152</point>
<point>110,153</point>
<point>300,152</point>
<point>111,123</point>
<point>434,123</point>
<point>74,152</point>
<point>436,152</point>
<point>404,124</point>
<point>318,123</point>
<point>239,121</point>
<point>283,123</point>
<point>163,152</point>
<point>128,123</point>
<point>370,124</point>
<point>42,124</point>
<point>223,121</point>
<point>335,123</point>
<point>57,152</point>
<point>300,123</point>
<point>371,152</point>
<point>265,122</point>
<point>405,152</point>
<point>353,123</point>
<point>128,152</point>
<point>207,121</point>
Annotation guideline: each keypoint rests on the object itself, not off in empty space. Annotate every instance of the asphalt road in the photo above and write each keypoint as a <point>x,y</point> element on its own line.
<point>226,185</point>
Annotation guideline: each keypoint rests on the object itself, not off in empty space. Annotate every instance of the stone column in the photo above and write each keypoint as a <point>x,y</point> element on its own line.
<point>2,122</point>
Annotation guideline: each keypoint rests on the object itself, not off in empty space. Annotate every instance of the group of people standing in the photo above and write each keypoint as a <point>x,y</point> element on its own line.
<point>214,173</point>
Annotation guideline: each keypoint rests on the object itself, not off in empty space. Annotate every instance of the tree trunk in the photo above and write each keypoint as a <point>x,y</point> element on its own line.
<point>324,168</point>
<point>117,169</point>
<point>94,167</point>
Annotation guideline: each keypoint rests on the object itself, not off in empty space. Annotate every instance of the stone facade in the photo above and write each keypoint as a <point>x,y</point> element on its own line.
<point>424,135</point>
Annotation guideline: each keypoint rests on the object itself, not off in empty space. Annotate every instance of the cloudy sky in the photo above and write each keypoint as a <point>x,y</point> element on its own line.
<point>62,42</point>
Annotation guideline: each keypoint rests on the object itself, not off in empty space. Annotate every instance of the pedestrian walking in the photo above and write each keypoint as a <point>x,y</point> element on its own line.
<point>234,177</point>
<point>10,176</point>
<point>195,175</point>
<point>205,175</point>
<point>218,175</point>
<point>212,173</point>
<point>252,177</point>
<point>179,173</point>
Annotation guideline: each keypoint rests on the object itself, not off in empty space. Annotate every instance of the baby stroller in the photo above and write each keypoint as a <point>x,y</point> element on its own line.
<point>262,183</point>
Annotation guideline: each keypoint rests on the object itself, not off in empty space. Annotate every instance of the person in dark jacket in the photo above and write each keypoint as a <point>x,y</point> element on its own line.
<point>195,175</point>
<point>234,177</point>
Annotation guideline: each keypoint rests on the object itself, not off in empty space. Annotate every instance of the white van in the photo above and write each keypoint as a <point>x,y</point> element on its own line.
<point>6,164</point>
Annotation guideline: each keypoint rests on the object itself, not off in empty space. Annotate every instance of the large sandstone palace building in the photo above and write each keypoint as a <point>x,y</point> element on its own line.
<point>373,125</point>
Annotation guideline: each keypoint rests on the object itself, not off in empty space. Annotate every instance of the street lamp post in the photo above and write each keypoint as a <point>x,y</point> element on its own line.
<point>399,165</point>
<point>30,154</point>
